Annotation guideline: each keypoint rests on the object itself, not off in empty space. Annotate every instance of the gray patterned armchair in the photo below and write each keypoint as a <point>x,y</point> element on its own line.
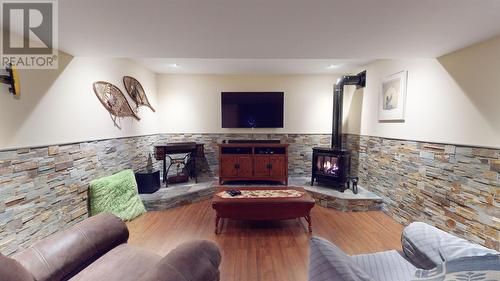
<point>425,250</point>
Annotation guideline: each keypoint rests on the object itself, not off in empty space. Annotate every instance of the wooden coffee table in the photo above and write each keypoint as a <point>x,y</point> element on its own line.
<point>282,208</point>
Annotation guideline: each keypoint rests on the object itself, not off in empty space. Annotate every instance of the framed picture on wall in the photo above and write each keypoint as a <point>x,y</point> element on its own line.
<point>392,97</point>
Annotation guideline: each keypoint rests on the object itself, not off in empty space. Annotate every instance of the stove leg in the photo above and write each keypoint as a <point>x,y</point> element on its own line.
<point>312,181</point>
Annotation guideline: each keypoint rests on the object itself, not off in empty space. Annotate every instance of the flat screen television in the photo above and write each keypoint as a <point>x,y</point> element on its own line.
<point>252,109</point>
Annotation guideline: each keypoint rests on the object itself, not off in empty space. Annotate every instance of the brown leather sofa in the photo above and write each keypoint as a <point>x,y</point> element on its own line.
<point>96,249</point>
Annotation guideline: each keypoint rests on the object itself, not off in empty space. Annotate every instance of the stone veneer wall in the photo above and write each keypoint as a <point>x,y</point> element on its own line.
<point>44,190</point>
<point>455,188</point>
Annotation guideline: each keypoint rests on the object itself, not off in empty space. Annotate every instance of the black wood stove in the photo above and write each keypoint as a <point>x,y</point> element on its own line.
<point>332,165</point>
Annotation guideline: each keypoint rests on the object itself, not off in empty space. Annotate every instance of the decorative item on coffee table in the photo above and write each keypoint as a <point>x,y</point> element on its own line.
<point>262,193</point>
<point>148,181</point>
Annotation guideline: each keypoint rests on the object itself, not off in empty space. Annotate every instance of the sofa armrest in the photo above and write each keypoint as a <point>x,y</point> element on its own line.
<point>427,246</point>
<point>10,269</point>
<point>63,254</point>
<point>193,261</point>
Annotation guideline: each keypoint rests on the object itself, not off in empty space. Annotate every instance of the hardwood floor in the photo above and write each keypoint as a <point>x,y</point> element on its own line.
<point>258,251</point>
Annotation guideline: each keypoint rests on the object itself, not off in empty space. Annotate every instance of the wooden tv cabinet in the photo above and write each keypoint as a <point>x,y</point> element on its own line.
<point>253,161</point>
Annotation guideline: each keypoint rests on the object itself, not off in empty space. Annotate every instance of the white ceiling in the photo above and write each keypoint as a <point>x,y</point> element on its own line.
<point>282,31</point>
<point>251,66</point>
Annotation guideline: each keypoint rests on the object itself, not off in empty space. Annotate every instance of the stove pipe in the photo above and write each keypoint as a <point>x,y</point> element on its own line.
<point>359,81</point>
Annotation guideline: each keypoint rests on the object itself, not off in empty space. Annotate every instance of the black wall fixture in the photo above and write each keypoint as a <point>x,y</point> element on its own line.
<point>11,79</point>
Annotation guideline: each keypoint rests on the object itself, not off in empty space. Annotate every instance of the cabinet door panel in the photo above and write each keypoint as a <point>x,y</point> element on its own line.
<point>277,166</point>
<point>261,166</point>
<point>228,166</point>
<point>245,166</point>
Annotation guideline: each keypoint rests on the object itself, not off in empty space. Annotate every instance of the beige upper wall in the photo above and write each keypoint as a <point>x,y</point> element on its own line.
<point>453,99</point>
<point>59,106</point>
<point>192,103</point>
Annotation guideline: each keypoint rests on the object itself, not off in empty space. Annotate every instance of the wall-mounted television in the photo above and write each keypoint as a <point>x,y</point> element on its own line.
<point>252,109</point>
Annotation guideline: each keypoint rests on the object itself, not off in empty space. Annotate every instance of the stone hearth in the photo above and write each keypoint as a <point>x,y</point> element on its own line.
<point>185,193</point>
<point>345,201</point>
<point>179,194</point>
